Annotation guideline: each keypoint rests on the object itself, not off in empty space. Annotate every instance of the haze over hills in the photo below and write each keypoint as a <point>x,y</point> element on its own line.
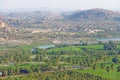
<point>39,16</point>
<point>63,21</point>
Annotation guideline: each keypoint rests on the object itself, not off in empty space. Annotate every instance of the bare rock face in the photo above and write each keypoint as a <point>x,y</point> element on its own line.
<point>3,25</point>
<point>6,30</point>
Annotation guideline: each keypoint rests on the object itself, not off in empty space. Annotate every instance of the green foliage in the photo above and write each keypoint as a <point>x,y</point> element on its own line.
<point>112,75</point>
<point>118,68</point>
<point>110,46</point>
<point>115,60</point>
<point>62,58</point>
<point>67,75</point>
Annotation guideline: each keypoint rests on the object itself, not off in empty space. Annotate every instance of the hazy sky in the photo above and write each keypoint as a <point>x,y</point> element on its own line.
<point>12,5</point>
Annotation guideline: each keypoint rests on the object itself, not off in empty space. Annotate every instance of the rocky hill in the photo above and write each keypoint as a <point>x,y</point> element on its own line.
<point>94,14</point>
<point>2,24</point>
<point>5,29</point>
<point>25,18</point>
<point>47,19</point>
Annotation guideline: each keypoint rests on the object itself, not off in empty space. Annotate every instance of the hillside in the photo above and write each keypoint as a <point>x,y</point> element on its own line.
<point>42,17</point>
<point>59,27</point>
<point>94,14</point>
<point>26,18</point>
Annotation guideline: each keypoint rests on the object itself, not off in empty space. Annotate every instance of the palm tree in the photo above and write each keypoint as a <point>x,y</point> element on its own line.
<point>118,68</point>
<point>107,68</point>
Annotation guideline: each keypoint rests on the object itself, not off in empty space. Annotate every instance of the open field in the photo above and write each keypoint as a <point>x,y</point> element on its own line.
<point>112,75</point>
<point>91,58</point>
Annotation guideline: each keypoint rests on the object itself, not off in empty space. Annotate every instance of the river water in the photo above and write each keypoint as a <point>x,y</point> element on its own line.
<point>108,39</point>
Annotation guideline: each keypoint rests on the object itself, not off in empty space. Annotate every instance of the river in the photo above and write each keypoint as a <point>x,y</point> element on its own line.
<point>108,39</point>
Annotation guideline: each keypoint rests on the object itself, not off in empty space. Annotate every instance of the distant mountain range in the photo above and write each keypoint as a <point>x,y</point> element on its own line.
<point>39,17</point>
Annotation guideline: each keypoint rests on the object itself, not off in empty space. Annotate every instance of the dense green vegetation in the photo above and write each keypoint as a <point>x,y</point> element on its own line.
<point>66,62</point>
<point>65,75</point>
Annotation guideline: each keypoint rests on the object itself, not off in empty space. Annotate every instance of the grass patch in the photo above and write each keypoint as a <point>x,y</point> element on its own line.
<point>112,75</point>
<point>67,49</point>
<point>96,47</point>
